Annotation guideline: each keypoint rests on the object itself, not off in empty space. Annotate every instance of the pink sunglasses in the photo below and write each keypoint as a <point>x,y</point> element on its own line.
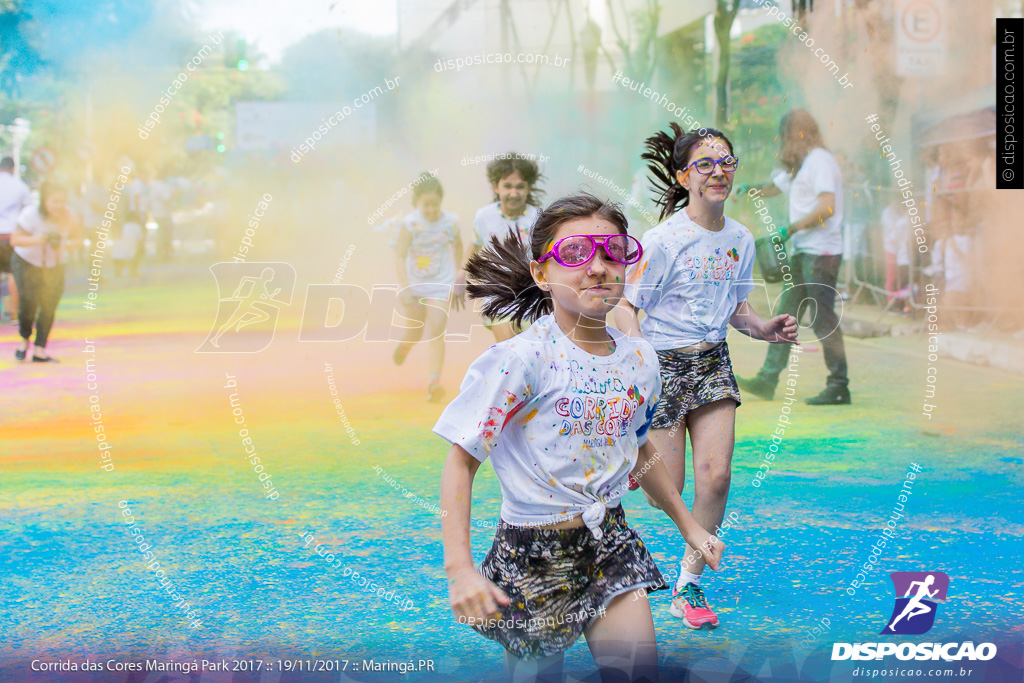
<point>577,250</point>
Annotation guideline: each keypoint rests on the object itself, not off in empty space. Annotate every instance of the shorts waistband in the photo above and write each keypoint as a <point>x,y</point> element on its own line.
<point>523,534</point>
<point>700,347</point>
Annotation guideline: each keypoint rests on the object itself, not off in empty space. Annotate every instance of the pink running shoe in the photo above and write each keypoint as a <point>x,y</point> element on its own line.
<point>689,605</point>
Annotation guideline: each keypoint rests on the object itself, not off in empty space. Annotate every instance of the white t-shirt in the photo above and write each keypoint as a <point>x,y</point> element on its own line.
<point>562,427</point>
<point>124,246</point>
<point>160,195</point>
<point>490,221</point>
<point>429,262</point>
<point>690,280</point>
<point>896,234</point>
<point>819,173</point>
<point>138,196</point>
<point>32,222</point>
<point>957,261</point>
<point>14,196</point>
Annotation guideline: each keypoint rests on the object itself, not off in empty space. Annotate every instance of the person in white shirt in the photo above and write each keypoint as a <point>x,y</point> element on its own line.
<point>126,245</point>
<point>562,411</point>
<point>41,241</point>
<point>896,245</point>
<point>814,183</point>
<point>692,283</point>
<point>14,196</point>
<point>161,195</point>
<point>428,246</point>
<point>516,198</point>
<point>138,201</point>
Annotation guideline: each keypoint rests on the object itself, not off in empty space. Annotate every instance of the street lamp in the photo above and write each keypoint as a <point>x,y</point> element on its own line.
<point>19,131</point>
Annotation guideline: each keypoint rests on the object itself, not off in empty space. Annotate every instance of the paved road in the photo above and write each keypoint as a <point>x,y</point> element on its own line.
<point>77,585</point>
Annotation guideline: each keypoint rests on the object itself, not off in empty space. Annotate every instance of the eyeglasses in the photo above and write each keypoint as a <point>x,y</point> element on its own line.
<point>576,250</point>
<point>706,166</point>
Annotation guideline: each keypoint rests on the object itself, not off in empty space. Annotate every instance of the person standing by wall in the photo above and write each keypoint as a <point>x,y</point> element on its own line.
<point>814,183</point>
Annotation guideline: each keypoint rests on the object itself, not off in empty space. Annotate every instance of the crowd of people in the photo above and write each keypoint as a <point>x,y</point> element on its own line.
<point>41,232</point>
<point>881,250</point>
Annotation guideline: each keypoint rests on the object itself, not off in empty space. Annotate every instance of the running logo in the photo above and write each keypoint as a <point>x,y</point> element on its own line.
<point>253,306</point>
<point>914,613</point>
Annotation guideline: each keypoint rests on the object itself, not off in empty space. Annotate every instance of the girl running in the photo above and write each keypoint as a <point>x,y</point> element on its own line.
<point>563,410</point>
<point>516,198</point>
<point>427,250</point>
<point>692,282</point>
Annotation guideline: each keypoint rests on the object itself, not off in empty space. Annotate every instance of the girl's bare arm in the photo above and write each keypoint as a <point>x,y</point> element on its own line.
<point>471,596</point>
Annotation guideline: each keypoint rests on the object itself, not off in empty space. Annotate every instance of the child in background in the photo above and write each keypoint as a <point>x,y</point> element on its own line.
<point>428,247</point>
<point>516,198</point>
<point>563,411</point>
<point>896,242</point>
<point>957,258</point>
<point>693,282</point>
<point>126,242</point>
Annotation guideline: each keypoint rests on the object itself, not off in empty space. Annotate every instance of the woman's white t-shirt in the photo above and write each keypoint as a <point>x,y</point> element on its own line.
<point>690,280</point>
<point>562,427</point>
<point>34,223</point>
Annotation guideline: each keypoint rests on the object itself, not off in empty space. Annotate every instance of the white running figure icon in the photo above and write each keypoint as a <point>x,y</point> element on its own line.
<point>915,607</point>
<point>248,304</point>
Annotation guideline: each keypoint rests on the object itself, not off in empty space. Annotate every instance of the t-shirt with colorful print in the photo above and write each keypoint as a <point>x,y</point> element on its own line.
<point>690,280</point>
<point>429,263</point>
<point>562,427</point>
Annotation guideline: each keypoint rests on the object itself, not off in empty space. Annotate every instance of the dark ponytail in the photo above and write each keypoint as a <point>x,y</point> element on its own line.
<point>667,154</point>
<point>499,274</point>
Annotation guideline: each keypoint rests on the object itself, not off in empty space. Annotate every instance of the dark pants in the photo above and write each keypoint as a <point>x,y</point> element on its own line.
<point>814,282</point>
<point>40,290</point>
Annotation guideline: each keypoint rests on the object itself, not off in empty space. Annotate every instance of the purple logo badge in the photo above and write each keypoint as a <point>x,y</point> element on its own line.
<point>916,596</point>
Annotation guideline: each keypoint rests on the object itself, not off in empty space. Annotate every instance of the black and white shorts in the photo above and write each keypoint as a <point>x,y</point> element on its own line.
<point>690,380</point>
<point>558,580</point>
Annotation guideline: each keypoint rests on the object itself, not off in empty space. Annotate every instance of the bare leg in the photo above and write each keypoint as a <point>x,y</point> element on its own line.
<point>436,320</point>
<point>712,430</point>
<point>410,335</point>
<point>544,670</point>
<point>670,444</point>
<point>623,642</point>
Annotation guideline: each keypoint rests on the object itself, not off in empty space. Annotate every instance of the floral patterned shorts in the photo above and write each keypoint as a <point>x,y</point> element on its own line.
<point>558,580</point>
